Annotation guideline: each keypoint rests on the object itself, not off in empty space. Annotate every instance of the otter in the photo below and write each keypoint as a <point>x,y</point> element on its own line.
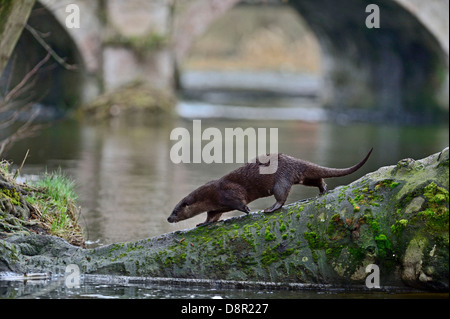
<point>246,184</point>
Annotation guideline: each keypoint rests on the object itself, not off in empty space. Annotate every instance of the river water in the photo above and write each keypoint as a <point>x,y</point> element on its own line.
<point>128,184</point>
<point>120,287</point>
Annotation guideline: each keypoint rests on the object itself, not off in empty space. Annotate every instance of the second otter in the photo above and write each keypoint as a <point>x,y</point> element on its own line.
<point>245,184</point>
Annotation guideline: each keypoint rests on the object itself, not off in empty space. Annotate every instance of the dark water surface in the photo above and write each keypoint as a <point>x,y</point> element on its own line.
<point>121,287</point>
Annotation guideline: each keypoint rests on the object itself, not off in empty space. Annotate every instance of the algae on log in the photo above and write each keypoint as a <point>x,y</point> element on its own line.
<point>396,218</point>
<point>13,16</point>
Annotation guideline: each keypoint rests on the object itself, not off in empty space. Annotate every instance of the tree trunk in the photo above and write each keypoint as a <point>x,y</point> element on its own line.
<point>13,16</point>
<point>394,221</point>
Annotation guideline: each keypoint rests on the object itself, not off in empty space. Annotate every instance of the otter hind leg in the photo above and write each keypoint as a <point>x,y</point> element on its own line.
<point>281,193</point>
<point>319,182</point>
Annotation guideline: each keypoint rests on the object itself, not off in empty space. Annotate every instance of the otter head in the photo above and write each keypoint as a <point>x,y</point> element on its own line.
<point>195,203</point>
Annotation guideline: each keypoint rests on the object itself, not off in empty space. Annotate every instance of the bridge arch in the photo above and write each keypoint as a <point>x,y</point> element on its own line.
<point>88,38</point>
<point>403,65</point>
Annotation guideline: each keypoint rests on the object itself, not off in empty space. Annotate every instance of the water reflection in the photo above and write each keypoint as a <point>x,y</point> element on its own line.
<point>127,184</point>
<point>120,287</point>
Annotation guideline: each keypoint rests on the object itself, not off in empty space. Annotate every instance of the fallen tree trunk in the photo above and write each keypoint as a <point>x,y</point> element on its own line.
<point>395,218</point>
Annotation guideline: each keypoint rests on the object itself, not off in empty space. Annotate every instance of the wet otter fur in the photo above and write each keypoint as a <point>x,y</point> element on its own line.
<point>245,184</point>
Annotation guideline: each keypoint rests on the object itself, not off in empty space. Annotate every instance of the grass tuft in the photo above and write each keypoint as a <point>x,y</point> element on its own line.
<point>54,197</point>
<point>45,206</point>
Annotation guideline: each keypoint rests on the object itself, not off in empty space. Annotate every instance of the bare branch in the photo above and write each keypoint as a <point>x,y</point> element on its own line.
<point>9,103</point>
<point>9,121</point>
<point>52,52</point>
<point>26,130</point>
<point>18,88</point>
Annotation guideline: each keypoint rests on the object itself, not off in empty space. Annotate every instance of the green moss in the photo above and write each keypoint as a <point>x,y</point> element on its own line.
<point>393,185</point>
<point>436,212</point>
<point>342,193</point>
<point>444,163</point>
<point>314,241</point>
<point>268,236</point>
<point>179,259</point>
<point>435,221</point>
<point>358,254</point>
<point>356,208</point>
<point>115,247</point>
<point>364,196</point>
<point>387,183</point>
<point>436,194</point>
<point>372,222</point>
<point>384,245</point>
<point>168,261</point>
<point>268,256</point>
<point>12,195</point>
<point>274,254</point>
<point>399,226</point>
<point>333,252</point>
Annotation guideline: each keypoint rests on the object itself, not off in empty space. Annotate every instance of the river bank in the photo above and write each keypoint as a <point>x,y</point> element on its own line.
<point>45,207</point>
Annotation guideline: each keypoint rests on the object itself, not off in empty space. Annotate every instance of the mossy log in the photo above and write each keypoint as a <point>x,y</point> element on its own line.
<point>395,218</point>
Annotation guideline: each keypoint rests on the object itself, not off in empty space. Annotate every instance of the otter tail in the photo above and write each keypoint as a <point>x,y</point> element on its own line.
<point>337,172</point>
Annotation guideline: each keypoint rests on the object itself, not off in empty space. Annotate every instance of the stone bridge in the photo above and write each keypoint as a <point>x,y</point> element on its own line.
<point>403,63</point>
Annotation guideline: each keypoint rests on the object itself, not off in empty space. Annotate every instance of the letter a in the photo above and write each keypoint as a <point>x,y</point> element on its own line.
<point>373,279</point>
<point>215,145</point>
<point>73,19</point>
<point>373,19</point>
<point>72,276</point>
<point>181,150</point>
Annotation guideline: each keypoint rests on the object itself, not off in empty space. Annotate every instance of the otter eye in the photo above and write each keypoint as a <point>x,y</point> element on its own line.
<point>185,204</point>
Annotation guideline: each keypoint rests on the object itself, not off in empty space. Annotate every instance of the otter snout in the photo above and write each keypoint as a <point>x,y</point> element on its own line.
<point>172,218</point>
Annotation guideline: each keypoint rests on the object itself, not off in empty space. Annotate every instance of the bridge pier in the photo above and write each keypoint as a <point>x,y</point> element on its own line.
<point>136,44</point>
